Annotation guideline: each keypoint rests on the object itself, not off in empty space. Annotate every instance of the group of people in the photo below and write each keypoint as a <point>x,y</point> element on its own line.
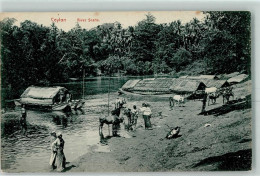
<point>132,116</point>
<point>134,113</point>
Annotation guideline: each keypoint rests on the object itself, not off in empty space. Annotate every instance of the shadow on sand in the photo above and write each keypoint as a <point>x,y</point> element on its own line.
<point>231,106</point>
<point>236,161</point>
<point>68,167</point>
<point>104,140</point>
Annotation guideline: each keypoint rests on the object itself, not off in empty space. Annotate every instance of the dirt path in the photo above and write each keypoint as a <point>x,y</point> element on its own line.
<point>220,141</point>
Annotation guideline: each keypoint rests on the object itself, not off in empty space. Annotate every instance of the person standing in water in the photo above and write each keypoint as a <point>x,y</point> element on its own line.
<point>23,119</point>
<point>23,111</point>
<point>53,150</point>
<point>60,158</point>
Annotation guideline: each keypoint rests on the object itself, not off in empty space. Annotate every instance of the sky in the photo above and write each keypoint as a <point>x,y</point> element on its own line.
<point>88,20</point>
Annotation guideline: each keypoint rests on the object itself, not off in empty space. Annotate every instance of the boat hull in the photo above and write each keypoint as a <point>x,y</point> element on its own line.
<point>54,107</point>
<point>61,107</point>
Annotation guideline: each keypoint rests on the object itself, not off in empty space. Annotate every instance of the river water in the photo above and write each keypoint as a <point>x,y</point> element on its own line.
<point>30,151</point>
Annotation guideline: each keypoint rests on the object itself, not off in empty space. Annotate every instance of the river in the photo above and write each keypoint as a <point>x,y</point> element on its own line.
<point>30,152</point>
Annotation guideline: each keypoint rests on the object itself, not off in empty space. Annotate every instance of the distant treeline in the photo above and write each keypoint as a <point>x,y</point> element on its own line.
<point>34,54</point>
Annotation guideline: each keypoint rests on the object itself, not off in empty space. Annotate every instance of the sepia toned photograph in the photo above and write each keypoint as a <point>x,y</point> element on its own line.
<point>158,91</point>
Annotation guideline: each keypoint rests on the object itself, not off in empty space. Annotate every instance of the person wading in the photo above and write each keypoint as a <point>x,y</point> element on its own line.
<point>23,111</point>
<point>53,150</point>
<point>23,120</point>
<point>146,115</point>
<point>60,158</point>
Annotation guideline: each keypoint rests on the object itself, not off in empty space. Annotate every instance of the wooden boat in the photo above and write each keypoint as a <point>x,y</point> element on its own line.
<point>48,98</point>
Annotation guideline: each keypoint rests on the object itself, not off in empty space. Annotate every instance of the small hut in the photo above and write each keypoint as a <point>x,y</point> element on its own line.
<point>215,83</point>
<point>188,87</point>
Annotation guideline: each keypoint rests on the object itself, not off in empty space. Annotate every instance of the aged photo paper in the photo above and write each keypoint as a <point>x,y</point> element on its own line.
<point>126,91</point>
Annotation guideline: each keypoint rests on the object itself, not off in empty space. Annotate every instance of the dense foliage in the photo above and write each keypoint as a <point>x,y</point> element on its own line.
<point>33,54</point>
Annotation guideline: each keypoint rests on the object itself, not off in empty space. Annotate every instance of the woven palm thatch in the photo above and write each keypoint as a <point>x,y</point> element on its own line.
<point>42,92</point>
<point>176,82</point>
<point>130,84</point>
<point>202,77</point>
<point>208,77</point>
<point>188,86</point>
<point>154,85</point>
<point>194,77</point>
<point>228,76</point>
<point>41,95</point>
<point>215,83</point>
<point>238,78</point>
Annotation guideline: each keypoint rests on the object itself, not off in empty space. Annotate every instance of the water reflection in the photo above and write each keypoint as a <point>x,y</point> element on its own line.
<point>31,152</point>
<point>60,120</point>
<point>98,85</point>
<point>23,124</point>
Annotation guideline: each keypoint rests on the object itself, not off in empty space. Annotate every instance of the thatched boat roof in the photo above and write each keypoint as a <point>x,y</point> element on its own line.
<point>176,82</point>
<point>208,77</point>
<point>130,84</point>
<point>238,78</point>
<point>42,92</point>
<point>227,76</point>
<point>154,85</point>
<point>203,77</point>
<point>188,86</point>
<point>215,83</point>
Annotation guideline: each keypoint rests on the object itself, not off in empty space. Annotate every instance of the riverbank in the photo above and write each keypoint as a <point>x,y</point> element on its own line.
<point>220,140</point>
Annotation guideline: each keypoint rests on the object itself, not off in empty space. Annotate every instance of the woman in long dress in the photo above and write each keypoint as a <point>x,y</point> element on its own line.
<point>60,157</point>
<point>134,118</point>
<point>53,150</point>
<point>146,115</point>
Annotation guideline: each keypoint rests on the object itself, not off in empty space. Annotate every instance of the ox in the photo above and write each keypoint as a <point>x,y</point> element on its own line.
<point>116,117</point>
<point>178,99</point>
<point>212,94</point>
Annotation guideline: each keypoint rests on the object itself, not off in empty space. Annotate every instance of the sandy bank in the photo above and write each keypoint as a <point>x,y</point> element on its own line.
<point>224,145</point>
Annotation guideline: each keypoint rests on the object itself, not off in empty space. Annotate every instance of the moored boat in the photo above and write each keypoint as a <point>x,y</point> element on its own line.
<point>47,98</point>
